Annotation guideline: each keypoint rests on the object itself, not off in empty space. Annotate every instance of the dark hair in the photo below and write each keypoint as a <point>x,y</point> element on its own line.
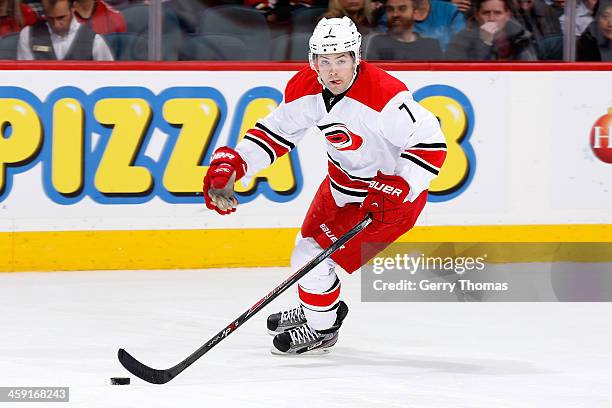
<point>507,4</point>
<point>415,3</point>
<point>52,3</point>
<point>600,6</point>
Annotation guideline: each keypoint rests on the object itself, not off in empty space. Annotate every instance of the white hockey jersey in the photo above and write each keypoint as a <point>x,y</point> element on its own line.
<point>375,125</point>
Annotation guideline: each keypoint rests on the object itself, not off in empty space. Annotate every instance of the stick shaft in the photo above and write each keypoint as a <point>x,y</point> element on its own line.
<point>163,376</point>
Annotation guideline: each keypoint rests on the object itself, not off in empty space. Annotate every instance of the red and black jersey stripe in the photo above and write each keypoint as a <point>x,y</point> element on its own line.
<point>344,182</point>
<point>274,145</point>
<point>429,156</point>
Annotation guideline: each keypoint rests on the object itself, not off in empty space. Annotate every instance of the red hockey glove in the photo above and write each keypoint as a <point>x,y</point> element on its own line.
<point>226,167</point>
<point>385,199</point>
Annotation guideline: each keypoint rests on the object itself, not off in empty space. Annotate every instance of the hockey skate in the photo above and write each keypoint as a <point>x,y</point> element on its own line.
<point>304,339</point>
<point>283,321</point>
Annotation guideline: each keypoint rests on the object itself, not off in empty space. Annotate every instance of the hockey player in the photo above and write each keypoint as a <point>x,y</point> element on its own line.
<point>383,150</point>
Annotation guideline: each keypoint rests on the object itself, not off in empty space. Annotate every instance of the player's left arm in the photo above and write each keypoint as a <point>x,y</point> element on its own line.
<point>416,133</point>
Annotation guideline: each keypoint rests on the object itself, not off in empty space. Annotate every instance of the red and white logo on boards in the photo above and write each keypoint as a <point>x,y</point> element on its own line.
<point>601,138</point>
<point>339,136</point>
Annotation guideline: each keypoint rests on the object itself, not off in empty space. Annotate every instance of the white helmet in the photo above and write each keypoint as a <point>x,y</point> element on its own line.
<point>334,35</point>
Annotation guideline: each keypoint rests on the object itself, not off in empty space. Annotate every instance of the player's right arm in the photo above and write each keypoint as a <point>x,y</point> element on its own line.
<point>270,138</point>
<point>280,131</point>
<point>274,136</point>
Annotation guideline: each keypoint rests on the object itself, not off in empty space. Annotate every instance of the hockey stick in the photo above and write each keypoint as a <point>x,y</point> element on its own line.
<point>163,376</point>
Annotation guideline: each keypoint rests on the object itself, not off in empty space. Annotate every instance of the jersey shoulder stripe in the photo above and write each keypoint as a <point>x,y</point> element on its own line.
<point>374,87</point>
<point>303,83</point>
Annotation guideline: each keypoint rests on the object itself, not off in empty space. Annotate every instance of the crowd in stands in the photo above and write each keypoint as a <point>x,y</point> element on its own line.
<point>400,30</point>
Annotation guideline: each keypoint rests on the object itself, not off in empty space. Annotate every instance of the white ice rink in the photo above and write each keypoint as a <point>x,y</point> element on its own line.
<point>64,329</point>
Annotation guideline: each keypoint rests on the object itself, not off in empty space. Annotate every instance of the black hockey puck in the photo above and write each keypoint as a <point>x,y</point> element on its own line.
<point>120,380</point>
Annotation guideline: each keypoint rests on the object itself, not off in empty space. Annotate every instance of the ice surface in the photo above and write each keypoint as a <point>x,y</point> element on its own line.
<point>64,329</point>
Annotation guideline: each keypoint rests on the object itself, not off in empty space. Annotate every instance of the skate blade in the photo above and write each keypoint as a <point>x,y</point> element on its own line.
<point>315,352</point>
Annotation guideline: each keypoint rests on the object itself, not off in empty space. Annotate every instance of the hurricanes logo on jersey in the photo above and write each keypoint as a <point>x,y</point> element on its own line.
<point>339,136</point>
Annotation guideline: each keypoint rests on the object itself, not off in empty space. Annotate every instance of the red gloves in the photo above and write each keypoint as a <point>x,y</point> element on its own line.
<point>226,167</point>
<point>385,199</point>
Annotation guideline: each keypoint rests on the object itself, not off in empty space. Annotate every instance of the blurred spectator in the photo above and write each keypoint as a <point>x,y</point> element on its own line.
<point>35,6</point>
<point>14,16</point>
<point>438,19</point>
<point>558,6</point>
<point>585,9</point>
<point>494,35</point>
<point>434,19</point>
<point>360,11</point>
<point>278,10</point>
<point>189,12</point>
<point>595,44</point>
<point>541,20</point>
<point>464,6</point>
<point>61,37</point>
<point>400,42</point>
<point>102,18</point>
<point>538,17</point>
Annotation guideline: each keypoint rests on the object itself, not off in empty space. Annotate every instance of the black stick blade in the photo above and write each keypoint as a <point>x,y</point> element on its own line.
<point>142,371</point>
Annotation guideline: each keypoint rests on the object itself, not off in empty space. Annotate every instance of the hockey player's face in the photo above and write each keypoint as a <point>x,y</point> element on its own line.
<point>336,71</point>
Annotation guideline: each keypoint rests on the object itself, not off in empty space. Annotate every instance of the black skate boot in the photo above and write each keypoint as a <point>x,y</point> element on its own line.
<point>304,339</point>
<point>283,321</point>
